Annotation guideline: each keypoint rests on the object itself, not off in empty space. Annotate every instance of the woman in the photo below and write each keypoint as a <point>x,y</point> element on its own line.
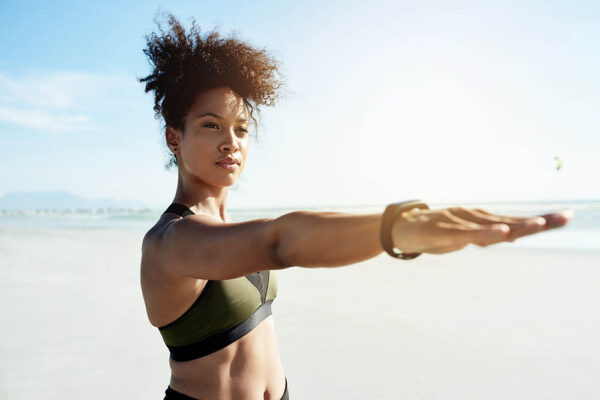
<point>207,282</point>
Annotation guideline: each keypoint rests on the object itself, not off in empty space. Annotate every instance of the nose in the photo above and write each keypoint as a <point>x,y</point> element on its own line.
<point>229,144</point>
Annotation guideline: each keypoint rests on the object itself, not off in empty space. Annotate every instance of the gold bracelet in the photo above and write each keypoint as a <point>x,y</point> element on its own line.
<point>390,215</point>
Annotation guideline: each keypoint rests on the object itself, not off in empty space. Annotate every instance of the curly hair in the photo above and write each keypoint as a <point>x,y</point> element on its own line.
<point>186,64</point>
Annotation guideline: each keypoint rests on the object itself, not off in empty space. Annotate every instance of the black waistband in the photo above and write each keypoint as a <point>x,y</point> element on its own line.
<point>172,394</point>
<point>217,342</point>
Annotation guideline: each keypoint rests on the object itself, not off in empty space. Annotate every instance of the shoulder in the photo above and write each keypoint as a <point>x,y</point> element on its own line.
<point>153,245</point>
<point>152,239</point>
<point>167,236</point>
<point>164,293</point>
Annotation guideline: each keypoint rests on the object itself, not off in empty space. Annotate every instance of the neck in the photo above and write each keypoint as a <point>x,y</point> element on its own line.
<point>202,198</point>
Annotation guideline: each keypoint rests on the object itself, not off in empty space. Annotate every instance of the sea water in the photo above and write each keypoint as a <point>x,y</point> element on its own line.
<point>582,233</point>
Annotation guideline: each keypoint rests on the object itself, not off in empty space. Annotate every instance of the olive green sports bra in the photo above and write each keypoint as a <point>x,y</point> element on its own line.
<point>224,311</point>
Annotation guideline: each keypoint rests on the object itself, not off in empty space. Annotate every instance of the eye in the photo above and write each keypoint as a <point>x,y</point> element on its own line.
<point>242,129</point>
<point>211,125</point>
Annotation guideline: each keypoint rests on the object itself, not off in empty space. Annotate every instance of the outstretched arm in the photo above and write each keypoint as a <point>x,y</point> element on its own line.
<point>335,239</point>
<point>201,247</point>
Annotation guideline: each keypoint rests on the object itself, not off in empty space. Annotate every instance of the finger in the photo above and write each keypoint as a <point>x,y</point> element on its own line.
<point>483,215</point>
<point>540,224</point>
<point>521,227</point>
<point>453,215</point>
<point>558,219</point>
<point>491,234</point>
<point>526,228</point>
<point>553,220</point>
<point>459,235</point>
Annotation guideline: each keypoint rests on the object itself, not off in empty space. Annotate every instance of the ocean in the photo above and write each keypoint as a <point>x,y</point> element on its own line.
<point>582,233</point>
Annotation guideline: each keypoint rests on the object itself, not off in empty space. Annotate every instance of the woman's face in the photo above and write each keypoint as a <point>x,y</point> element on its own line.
<point>214,143</point>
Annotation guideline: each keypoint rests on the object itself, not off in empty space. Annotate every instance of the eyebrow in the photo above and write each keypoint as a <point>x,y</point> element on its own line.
<point>220,117</point>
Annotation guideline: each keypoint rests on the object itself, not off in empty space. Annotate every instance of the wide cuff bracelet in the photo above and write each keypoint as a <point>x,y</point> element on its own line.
<point>390,215</point>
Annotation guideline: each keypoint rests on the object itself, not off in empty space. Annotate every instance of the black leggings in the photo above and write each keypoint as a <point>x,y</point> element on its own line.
<point>175,395</point>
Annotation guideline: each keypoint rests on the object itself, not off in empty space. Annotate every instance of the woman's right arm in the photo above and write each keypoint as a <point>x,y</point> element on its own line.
<point>201,247</point>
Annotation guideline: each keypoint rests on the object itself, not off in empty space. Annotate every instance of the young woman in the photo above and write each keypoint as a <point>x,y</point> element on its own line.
<point>208,282</point>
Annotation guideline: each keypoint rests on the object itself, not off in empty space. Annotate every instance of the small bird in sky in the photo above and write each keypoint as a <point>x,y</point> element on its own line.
<point>558,162</point>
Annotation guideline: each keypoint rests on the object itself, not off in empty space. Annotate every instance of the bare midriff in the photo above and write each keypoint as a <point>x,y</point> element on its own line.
<point>249,368</point>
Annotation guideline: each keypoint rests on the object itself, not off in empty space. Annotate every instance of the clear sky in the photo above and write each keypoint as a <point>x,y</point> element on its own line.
<point>386,100</point>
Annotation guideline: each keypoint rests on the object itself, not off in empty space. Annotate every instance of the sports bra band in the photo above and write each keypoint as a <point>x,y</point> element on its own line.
<point>179,209</point>
<point>220,340</point>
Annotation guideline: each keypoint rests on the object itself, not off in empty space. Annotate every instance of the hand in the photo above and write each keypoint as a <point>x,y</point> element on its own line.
<point>451,229</point>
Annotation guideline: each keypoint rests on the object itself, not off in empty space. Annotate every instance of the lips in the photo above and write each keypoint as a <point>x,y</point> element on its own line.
<point>231,164</point>
<point>228,161</point>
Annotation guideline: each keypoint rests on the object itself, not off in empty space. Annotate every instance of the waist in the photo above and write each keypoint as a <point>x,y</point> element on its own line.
<point>250,365</point>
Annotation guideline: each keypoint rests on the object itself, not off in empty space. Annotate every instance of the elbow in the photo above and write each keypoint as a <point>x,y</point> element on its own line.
<point>278,257</point>
<point>278,260</point>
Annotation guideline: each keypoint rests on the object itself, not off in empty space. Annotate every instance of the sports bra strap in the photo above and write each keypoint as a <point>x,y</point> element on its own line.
<point>179,209</point>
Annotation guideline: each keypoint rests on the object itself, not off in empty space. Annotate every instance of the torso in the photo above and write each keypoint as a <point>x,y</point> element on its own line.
<point>249,368</point>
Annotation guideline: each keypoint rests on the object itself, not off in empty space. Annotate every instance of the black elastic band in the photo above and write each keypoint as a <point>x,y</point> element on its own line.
<point>179,209</point>
<point>172,394</point>
<point>217,342</point>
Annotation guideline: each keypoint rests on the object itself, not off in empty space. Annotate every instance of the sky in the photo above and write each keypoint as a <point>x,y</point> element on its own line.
<point>449,102</point>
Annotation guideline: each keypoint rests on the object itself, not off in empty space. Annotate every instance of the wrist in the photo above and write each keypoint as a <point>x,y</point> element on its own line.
<point>390,218</point>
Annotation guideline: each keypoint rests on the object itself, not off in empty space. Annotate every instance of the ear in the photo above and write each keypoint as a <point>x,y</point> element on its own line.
<point>172,137</point>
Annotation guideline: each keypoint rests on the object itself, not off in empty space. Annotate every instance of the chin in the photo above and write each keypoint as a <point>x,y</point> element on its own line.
<point>227,182</point>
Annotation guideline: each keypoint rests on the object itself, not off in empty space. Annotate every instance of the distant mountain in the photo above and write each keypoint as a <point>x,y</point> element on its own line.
<point>60,200</point>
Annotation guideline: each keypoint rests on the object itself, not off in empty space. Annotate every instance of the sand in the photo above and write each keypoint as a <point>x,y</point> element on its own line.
<point>482,323</point>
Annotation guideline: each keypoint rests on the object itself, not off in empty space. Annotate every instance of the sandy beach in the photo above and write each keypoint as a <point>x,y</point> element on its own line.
<point>483,323</point>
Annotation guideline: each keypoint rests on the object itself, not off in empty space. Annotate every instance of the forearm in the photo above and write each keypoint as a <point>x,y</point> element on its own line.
<point>326,239</point>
